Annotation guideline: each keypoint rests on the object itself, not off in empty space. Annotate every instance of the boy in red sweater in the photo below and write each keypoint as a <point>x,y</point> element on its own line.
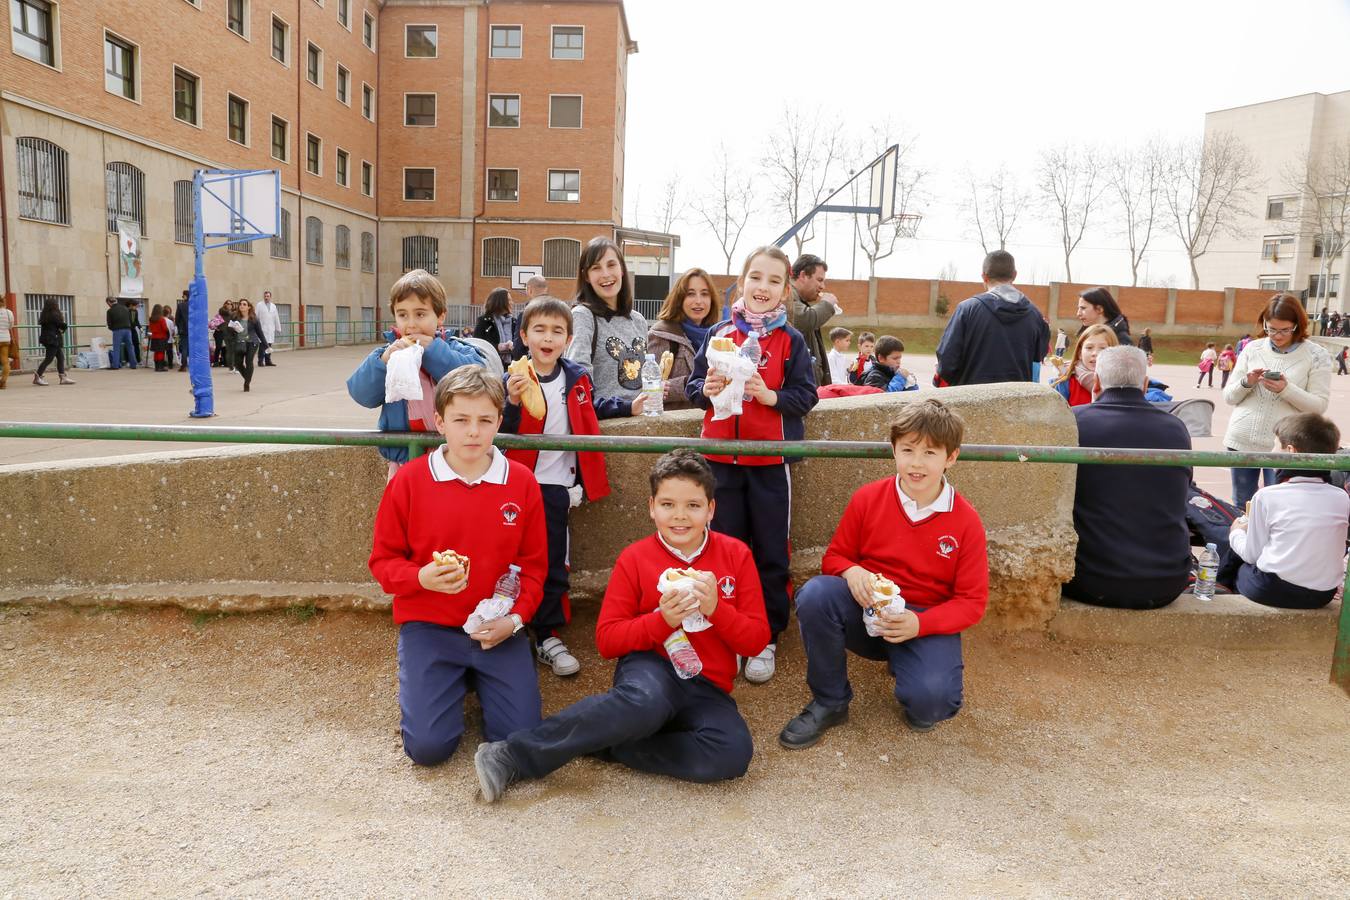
<point>917,531</point>
<point>465,497</point>
<point>652,719</point>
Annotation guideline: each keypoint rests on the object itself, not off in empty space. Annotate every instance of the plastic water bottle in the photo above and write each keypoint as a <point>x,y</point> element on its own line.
<point>653,388</point>
<point>682,654</point>
<point>750,349</point>
<point>508,586</point>
<point>1207,573</point>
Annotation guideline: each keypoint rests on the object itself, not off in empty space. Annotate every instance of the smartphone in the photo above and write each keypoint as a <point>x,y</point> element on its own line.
<point>1273,375</point>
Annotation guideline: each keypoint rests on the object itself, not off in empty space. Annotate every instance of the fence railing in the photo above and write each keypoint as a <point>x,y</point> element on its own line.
<point>325,334</point>
<point>417,443</point>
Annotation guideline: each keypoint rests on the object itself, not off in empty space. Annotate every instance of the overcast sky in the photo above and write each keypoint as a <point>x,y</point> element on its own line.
<point>978,83</point>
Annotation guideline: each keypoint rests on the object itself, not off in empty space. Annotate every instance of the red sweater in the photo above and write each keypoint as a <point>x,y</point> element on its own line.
<point>494,525</point>
<point>630,620</point>
<point>939,564</point>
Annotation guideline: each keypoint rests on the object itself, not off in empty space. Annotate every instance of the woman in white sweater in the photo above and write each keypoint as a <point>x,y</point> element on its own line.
<point>1281,374</point>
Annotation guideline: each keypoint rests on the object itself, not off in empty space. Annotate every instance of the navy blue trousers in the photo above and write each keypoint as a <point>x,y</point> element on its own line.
<point>1272,590</point>
<point>651,720</point>
<point>554,610</point>
<point>927,670</point>
<point>438,665</point>
<point>754,505</point>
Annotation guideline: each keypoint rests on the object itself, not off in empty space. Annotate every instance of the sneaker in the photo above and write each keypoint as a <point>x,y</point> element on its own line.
<point>553,653</point>
<point>920,727</point>
<point>38,379</point>
<point>810,725</point>
<point>759,669</point>
<point>496,770</point>
<point>65,379</point>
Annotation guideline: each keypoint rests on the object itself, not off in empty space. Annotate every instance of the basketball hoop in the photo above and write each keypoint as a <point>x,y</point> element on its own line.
<point>907,224</point>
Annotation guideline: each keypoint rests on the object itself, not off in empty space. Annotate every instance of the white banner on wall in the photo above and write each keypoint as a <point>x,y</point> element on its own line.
<point>129,262</point>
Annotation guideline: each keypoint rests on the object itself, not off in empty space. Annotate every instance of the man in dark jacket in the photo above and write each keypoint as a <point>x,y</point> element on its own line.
<point>123,339</point>
<point>1133,544</point>
<point>810,308</point>
<point>180,321</point>
<point>995,336</point>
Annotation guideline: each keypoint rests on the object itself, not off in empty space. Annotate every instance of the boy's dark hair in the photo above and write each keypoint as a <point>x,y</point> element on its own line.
<point>840,332</point>
<point>686,464</point>
<point>999,266</point>
<point>886,345</point>
<point>867,336</point>
<point>544,305</point>
<point>932,421</point>
<point>807,264</point>
<point>421,283</point>
<point>469,381</point>
<point>1308,433</point>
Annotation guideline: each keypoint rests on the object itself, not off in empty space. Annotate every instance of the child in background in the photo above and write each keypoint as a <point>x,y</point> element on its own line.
<point>1227,360</point>
<point>1078,384</point>
<point>754,496</point>
<point>417,301</point>
<point>1208,357</point>
<point>839,356</point>
<point>465,497</point>
<point>652,719</point>
<point>883,374</point>
<point>1293,542</point>
<point>565,476</point>
<point>857,370</point>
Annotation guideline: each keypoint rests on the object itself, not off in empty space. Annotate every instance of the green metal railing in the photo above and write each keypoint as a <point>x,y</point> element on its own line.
<point>416,443</point>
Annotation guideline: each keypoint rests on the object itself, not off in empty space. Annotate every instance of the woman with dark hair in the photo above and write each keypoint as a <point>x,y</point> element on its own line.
<point>688,314</point>
<point>609,337</point>
<point>1275,376</point>
<point>52,336</point>
<point>1097,307</point>
<point>159,337</point>
<point>243,336</point>
<point>496,325</point>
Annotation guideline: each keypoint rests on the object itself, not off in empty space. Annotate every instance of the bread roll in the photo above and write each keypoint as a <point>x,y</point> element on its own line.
<point>533,396</point>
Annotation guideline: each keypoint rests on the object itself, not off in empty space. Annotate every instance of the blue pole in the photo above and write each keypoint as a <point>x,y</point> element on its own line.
<point>199,353</point>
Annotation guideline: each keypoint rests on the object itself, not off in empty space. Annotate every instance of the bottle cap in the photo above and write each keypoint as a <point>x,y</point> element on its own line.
<point>1214,547</point>
<point>651,357</point>
<point>514,568</point>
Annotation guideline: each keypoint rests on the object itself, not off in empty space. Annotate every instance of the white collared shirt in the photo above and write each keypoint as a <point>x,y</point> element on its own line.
<point>442,471</point>
<point>1296,530</point>
<point>946,499</point>
<point>677,554</point>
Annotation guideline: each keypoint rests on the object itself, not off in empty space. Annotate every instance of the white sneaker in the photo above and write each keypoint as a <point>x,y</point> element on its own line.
<point>554,654</point>
<point>759,669</point>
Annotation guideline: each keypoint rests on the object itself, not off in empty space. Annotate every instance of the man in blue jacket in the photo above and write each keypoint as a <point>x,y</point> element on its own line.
<point>994,336</point>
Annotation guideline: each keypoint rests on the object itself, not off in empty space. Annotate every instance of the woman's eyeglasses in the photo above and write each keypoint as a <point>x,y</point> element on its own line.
<point>1278,331</point>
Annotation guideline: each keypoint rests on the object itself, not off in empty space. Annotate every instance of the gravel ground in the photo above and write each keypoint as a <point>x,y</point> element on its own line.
<point>158,753</point>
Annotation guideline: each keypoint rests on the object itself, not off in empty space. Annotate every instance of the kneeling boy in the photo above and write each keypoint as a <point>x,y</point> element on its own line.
<point>917,531</point>
<point>653,720</point>
<point>468,498</point>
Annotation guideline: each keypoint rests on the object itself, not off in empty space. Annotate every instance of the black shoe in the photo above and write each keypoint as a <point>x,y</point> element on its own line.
<point>810,725</point>
<point>920,727</point>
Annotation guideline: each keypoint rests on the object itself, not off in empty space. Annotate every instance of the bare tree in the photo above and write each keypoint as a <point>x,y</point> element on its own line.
<point>1323,183</point>
<point>727,204</point>
<point>801,162</point>
<point>1206,190</point>
<point>948,272</point>
<point>875,237</point>
<point>994,205</point>
<point>1069,179</point>
<point>1136,178</point>
<point>671,204</point>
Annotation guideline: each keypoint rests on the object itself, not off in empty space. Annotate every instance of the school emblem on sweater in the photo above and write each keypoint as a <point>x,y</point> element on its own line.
<point>510,512</point>
<point>727,585</point>
<point>629,359</point>
<point>947,545</point>
<point>581,395</point>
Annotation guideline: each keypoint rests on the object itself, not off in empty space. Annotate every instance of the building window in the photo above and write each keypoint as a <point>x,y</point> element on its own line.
<point>182,212</point>
<point>314,65</point>
<point>33,305</point>
<point>421,252</point>
<point>419,184</point>
<point>499,255</point>
<point>504,111</point>
<point>1275,209</point>
<point>236,16</point>
<point>313,155</point>
<point>185,91</point>
<point>241,247</point>
<point>313,241</point>
<point>367,252</point>
<point>238,119</point>
<point>564,111</point>
<point>569,42</point>
<point>503,184</point>
<point>367,334</point>
<point>280,141</point>
<point>343,323</point>
<point>314,325</point>
<point>368,30</point>
<point>342,167</point>
<point>342,247</point>
<point>1316,284</point>
<point>564,186</point>
<point>367,179</point>
<point>1277,248</point>
<point>368,101</point>
<point>561,257</point>
<point>419,110</point>
<point>1274,283</point>
<point>419,41</point>
<point>125,192</point>
<point>345,13</point>
<point>344,85</point>
<point>505,42</point>
<point>281,41</point>
<point>1318,248</point>
<point>33,30</point>
<point>281,241</point>
<point>119,67</point>
<point>44,181</point>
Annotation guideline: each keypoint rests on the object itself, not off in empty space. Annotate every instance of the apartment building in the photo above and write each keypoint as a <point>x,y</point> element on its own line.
<point>459,136</point>
<point>1281,247</point>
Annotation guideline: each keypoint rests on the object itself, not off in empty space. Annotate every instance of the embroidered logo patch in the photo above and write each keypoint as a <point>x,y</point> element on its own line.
<point>727,585</point>
<point>510,512</point>
<point>581,395</point>
<point>947,545</point>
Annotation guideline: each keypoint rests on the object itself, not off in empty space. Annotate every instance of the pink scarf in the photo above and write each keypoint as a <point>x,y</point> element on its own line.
<point>760,323</point>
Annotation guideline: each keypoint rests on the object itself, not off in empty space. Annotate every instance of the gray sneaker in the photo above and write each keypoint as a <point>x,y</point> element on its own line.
<point>496,770</point>
<point>553,653</point>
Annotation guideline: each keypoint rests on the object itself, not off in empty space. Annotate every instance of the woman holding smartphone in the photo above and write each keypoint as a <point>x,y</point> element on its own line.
<point>1275,376</point>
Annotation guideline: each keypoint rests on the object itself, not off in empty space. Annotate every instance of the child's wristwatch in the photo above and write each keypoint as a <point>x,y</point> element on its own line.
<point>520,623</point>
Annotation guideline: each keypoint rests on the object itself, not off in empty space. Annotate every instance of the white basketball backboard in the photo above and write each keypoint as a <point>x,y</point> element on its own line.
<point>883,175</point>
<point>238,204</point>
<point>522,274</point>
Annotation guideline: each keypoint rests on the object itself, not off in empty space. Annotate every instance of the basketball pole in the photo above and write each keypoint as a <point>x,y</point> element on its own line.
<point>199,354</point>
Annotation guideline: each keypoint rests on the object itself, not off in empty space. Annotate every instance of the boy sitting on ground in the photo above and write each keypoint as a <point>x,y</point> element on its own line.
<point>465,497</point>
<point>886,368</point>
<point>1293,541</point>
<point>915,531</point>
<point>652,719</point>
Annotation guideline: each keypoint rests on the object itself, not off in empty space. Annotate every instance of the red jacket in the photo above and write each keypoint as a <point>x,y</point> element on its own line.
<point>630,621</point>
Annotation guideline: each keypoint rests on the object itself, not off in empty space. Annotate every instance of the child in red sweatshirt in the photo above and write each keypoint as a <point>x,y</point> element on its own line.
<point>465,497</point>
<point>918,532</point>
<point>653,719</point>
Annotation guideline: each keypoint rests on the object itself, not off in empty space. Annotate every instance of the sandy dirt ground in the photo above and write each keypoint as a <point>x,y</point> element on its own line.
<point>161,754</point>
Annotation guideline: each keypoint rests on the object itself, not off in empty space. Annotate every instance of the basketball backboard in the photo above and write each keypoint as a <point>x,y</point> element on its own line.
<point>883,173</point>
<point>522,274</point>
<point>242,205</point>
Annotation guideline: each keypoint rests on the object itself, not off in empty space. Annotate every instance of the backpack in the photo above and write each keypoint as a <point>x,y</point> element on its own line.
<point>1208,518</point>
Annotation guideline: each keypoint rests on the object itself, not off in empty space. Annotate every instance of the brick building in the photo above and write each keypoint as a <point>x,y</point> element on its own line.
<point>461,136</point>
